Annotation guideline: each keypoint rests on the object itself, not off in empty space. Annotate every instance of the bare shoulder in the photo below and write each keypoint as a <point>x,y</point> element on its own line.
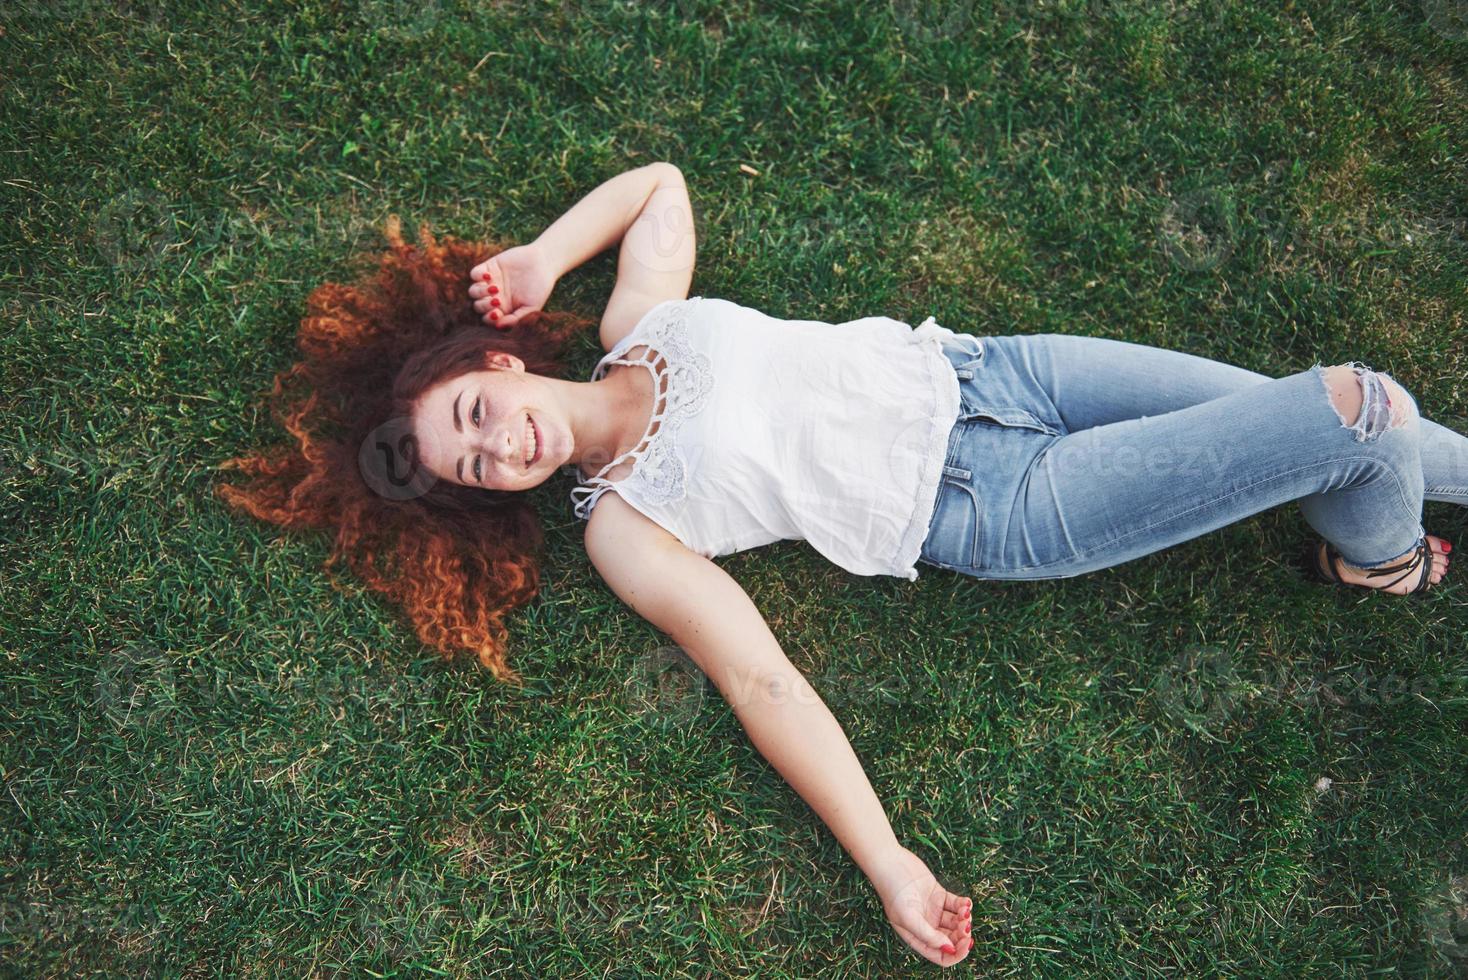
<point>616,524</point>
<point>643,562</point>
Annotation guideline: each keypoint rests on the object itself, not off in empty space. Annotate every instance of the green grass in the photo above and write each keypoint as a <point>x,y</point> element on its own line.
<point>214,762</point>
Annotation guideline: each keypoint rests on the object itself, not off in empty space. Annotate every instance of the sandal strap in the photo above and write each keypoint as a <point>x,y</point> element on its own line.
<point>1421,562</point>
<point>1331,569</point>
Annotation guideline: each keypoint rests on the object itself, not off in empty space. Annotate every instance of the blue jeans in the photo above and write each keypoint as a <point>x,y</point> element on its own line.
<point>1072,454</point>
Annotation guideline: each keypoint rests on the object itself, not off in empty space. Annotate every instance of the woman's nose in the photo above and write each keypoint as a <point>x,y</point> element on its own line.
<point>500,445</point>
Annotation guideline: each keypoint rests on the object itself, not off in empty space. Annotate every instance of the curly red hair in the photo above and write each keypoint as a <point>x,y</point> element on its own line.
<point>455,559</point>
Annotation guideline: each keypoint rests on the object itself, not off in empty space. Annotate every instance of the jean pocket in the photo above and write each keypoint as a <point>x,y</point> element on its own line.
<point>953,533</point>
<point>1014,418</point>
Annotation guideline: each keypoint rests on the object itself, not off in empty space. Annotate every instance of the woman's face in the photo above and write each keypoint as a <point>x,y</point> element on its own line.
<point>478,429</point>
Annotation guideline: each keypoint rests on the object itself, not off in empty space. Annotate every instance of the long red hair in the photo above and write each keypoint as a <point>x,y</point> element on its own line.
<point>455,559</point>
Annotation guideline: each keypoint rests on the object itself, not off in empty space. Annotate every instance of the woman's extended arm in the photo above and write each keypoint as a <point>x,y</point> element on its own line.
<point>705,611</point>
<point>646,209</point>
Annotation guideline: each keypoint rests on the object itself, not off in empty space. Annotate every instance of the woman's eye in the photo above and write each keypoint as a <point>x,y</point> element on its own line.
<point>475,416</point>
<point>478,472</point>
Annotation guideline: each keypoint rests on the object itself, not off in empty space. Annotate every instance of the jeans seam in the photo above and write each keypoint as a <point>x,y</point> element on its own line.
<point>975,505</point>
<point>1091,551</point>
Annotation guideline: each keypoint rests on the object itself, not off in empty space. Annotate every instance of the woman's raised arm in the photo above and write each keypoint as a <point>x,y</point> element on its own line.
<point>646,209</point>
<point>706,612</point>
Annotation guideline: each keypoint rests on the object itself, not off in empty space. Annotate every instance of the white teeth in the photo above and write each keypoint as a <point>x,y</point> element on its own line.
<point>529,441</point>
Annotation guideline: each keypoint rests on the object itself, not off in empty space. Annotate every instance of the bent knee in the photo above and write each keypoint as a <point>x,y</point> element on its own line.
<point>1367,402</point>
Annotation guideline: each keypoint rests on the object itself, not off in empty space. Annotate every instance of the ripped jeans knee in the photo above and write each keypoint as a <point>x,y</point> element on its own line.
<point>1368,403</point>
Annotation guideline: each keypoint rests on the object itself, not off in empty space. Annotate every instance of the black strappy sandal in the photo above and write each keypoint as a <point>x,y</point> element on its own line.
<point>1329,570</point>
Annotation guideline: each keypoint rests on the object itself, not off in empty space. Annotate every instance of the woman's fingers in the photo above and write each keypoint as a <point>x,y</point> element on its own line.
<point>927,952</point>
<point>935,954</point>
<point>952,923</point>
<point>504,321</point>
<point>489,289</point>
<point>489,266</point>
<point>934,937</point>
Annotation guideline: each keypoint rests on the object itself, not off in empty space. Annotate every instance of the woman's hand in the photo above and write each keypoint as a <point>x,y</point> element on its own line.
<point>512,285</point>
<point>929,918</point>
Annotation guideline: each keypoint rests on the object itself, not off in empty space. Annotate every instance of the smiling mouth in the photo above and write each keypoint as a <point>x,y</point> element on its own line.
<point>535,439</point>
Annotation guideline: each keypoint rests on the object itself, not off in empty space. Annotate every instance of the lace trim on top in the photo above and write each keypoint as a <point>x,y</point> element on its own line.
<point>680,391</point>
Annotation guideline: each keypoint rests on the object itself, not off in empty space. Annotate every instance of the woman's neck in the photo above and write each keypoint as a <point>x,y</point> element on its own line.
<point>608,417</point>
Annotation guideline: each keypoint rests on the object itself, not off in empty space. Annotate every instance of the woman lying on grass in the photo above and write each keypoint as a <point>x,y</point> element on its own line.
<point>415,426</point>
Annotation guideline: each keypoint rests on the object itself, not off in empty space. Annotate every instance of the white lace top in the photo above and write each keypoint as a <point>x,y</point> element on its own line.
<point>766,430</point>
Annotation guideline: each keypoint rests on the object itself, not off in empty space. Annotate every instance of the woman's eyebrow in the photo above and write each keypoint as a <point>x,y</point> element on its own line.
<point>458,427</point>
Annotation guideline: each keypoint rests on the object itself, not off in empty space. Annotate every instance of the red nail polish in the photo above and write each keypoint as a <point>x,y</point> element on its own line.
<point>949,949</point>
<point>1447,547</point>
<point>492,289</point>
<point>485,276</point>
<point>494,302</point>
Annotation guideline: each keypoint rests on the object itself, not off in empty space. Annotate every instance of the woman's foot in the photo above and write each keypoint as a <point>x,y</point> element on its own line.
<point>1406,576</point>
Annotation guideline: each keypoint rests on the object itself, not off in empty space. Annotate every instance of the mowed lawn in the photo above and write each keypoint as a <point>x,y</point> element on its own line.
<point>216,761</point>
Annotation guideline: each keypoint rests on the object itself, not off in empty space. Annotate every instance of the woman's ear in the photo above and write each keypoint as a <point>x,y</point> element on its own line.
<point>498,360</point>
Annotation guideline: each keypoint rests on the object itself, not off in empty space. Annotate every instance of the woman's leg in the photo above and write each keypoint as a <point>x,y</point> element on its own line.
<point>1115,491</point>
<point>1096,381</point>
<point>1444,463</point>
